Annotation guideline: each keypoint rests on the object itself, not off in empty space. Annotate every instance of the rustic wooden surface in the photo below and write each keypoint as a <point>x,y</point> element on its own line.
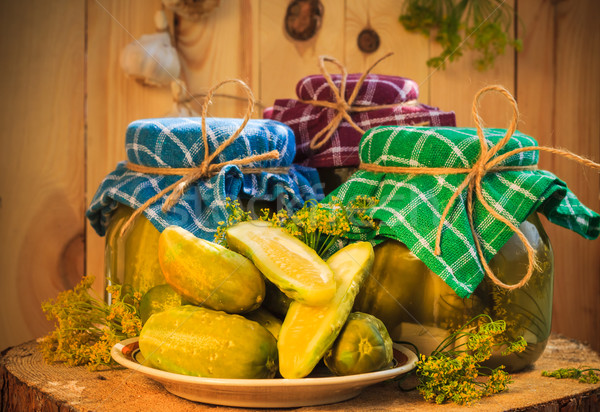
<point>68,104</point>
<point>28,383</point>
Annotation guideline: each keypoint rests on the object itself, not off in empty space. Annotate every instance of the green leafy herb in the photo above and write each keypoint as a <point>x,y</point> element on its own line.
<point>319,225</point>
<point>480,25</point>
<point>86,328</point>
<point>453,371</point>
<point>582,374</point>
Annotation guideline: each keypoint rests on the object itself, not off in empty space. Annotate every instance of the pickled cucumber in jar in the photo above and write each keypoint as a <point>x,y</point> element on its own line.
<point>132,259</point>
<point>418,306</point>
<point>527,311</point>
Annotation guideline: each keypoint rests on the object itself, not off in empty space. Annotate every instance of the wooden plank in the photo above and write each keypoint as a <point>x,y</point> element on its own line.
<point>222,45</point>
<point>536,86</point>
<point>41,160</point>
<point>577,126</point>
<point>284,61</point>
<point>455,87</point>
<point>113,99</point>
<point>411,50</point>
<point>558,99</point>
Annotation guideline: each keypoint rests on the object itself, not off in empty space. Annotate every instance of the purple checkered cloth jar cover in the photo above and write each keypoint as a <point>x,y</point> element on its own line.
<point>306,120</point>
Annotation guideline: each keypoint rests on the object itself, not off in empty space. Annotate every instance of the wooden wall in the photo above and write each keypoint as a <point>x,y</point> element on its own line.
<point>66,105</point>
<point>42,159</point>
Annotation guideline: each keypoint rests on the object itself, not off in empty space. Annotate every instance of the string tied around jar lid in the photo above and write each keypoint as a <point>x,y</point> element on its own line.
<point>342,106</point>
<point>207,167</point>
<point>488,162</point>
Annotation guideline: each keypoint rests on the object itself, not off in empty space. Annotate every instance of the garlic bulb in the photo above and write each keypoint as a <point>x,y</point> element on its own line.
<point>191,9</point>
<point>151,59</point>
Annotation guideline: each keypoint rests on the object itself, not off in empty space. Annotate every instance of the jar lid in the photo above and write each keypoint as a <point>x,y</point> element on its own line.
<point>177,143</point>
<point>411,204</point>
<point>389,100</point>
<point>375,89</point>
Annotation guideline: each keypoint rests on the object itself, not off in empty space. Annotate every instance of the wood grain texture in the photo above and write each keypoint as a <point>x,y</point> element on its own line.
<point>576,126</point>
<point>455,87</point>
<point>41,160</point>
<point>410,51</point>
<point>113,99</point>
<point>559,97</point>
<point>222,45</point>
<point>30,384</point>
<point>284,61</point>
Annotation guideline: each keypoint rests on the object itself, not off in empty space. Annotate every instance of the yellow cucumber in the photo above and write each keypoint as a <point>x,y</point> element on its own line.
<point>307,331</point>
<point>364,345</point>
<point>158,299</point>
<point>207,274</point>
<point>265,318</point>
<point>196,341</point>
<point>291,265</point>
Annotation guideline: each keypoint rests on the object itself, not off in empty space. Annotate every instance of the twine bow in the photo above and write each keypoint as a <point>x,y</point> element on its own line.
<point>486,163</point>
<point>207,168</point>
<point>341,105</point>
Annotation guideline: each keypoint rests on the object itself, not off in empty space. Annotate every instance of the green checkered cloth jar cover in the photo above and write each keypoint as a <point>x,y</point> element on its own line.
<point>410,206</point>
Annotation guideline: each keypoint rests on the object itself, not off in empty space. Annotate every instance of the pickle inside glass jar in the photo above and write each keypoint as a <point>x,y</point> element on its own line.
<point>132,259</point>
<point>418,306</point>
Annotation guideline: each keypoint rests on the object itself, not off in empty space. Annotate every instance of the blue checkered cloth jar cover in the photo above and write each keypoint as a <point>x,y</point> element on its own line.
<point>177,143</point>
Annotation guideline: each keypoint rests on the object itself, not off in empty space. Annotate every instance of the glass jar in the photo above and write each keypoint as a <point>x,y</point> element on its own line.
<point>419,307</point>
<point>333,177</point>
<point>132,259</point>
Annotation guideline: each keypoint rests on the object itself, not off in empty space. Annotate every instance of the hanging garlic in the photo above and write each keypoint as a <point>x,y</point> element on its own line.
<point>152,59</point>
<point>191,9</point>
<point>182,106</point>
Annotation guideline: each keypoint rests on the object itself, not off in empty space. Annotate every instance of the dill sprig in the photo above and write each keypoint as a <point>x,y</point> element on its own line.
<point>582,374</point>
<point>453,371</point>
<point>318,225</point>
<point>86,328</point>
<point>480,25</point>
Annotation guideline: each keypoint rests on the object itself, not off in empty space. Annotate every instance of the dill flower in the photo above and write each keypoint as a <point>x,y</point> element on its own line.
<point>318,225</point>
<point>453,371</point>
<point>86,328</point>
<point>235,214</point>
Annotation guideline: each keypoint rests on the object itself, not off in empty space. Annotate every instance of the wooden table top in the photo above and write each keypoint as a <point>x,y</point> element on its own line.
<point>28,383</point>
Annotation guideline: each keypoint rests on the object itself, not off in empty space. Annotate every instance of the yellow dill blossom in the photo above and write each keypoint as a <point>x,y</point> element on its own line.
<point>318,225</point>
<point>86,328</point>
<point>235,214</point>
<point>453,373</point>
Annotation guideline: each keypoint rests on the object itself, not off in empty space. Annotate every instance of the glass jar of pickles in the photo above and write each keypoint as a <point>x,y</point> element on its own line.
<point>132,259</point>
<point>450,199</point>
<point>173,176</point>
<point>419,307</point>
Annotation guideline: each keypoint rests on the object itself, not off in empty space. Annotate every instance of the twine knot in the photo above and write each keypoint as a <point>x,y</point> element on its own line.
<point>206,168</point>
<point>487,162</point>
<point>202,170</point>
<point>342,106</point>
